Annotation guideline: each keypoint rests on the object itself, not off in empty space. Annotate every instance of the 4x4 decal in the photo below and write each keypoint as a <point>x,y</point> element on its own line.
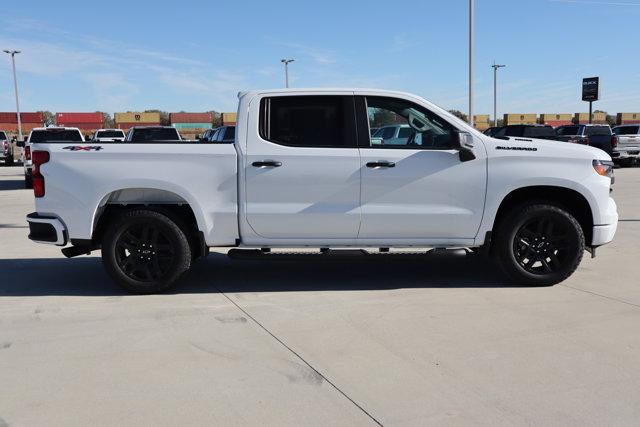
<point>83,148</point>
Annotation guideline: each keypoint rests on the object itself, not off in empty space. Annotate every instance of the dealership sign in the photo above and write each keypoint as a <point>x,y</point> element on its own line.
<point>591,89</point>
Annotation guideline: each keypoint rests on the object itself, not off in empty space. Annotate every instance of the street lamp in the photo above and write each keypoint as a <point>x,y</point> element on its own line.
<point>495,91</point>
<point>13,54</point>
<point>286,70</point>
<point>471,49</point>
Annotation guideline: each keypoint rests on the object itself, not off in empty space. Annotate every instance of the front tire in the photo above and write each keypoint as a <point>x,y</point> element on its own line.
<point>145,251</point>
<point>539,244</point>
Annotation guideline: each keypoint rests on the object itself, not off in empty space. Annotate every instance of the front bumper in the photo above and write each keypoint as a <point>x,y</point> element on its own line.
<point>46,229</point>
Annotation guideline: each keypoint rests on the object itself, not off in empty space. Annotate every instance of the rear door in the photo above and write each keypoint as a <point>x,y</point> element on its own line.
<point>419,191</point>
<point>302,168</point>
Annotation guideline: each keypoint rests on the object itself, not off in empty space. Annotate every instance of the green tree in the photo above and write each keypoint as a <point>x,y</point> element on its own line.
<point>459,114</point>
<point>48,117</point>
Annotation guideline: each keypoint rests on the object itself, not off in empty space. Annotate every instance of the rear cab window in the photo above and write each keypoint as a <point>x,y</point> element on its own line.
<point>47,135</point>
<point>627,130</point>
<point>539,131</point>
<point>155,134</point>
<point>308,121</point>
<point>568,130</point>
<point>597,130</point>
<point>110,134</point>
<point>3,135</point>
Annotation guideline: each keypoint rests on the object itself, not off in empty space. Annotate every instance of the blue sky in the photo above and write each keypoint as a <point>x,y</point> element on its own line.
<point>196,55</point>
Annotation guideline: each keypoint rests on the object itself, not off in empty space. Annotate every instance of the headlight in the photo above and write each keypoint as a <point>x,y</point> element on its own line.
<point>604,168</point>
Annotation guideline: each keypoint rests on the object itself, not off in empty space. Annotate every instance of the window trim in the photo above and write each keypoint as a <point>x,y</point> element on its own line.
<point>364,138</point>
<point>349,116</point>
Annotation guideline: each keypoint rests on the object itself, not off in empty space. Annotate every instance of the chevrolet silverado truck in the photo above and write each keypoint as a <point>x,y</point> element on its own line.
<point>303,172</point>
<point>628,149</point>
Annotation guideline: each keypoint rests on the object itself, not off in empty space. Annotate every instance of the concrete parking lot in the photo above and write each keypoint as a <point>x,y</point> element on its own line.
<point>388,339</point>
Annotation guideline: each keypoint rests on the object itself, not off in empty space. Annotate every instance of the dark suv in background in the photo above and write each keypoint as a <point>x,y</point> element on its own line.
<point>599,136</point>
<point>523,131</point>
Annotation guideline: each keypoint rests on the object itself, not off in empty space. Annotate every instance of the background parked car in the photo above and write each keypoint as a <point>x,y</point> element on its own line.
<point>599,136</point>
<point>628,150</point>
<point>223,134</point>
<point>6,149</point>
<point>523,131</point>
<point>44,135</point>
<point>109,135</point>
<point>153,133</point>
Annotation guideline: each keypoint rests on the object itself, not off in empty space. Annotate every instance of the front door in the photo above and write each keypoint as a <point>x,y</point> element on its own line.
<point>302,169</point>
<point>417,189</point>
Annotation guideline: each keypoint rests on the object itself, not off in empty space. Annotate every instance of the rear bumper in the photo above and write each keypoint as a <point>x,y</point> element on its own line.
<point>631,153</point>
<point>46,229</point>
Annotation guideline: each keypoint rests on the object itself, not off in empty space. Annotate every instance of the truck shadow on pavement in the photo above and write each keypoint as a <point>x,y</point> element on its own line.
<point>84,276</point>
<point>11,184</point>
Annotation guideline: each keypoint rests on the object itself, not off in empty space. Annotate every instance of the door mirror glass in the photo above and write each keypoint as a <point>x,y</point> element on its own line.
<point>465,144</point>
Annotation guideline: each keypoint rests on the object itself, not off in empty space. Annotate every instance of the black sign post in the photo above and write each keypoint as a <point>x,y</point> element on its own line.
<point>590,92</point>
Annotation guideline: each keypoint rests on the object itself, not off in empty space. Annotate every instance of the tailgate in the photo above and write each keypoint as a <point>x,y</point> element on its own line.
<point>629,141</point>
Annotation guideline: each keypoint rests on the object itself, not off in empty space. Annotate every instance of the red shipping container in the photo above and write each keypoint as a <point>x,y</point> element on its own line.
<point>25,117</point>
<point>79,118</point>
<point>191,117</point>
<point>82,126</point>
<point>556,123</point>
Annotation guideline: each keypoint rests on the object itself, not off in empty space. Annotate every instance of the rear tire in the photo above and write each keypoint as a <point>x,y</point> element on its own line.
<point>539,244</point>
<point>145,251</point>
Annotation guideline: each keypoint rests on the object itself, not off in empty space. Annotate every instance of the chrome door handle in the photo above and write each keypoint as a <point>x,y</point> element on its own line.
<point>382,164</point>
<point>267,164</point>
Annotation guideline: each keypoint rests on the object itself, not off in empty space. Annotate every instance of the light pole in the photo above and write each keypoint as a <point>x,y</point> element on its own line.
<point>495,91</point>
<point>471,49</point>
<point>15,87</point>
<point>286,70</point>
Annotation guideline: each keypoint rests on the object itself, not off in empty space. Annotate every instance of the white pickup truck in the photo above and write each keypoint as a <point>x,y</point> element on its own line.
<point>303,172</point>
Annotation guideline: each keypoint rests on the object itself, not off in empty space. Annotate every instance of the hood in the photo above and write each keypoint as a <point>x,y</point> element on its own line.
<point>552,148</point>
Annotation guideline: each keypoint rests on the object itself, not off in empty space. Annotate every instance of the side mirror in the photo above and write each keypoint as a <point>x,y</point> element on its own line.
<point>20,143</point>
<point>464,144</point>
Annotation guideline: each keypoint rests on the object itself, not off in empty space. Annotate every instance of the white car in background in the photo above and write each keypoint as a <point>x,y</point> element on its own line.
<point>102,135</point>
<point>48,134</point>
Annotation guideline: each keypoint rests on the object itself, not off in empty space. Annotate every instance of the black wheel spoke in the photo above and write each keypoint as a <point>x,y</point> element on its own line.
<point>143,252</point>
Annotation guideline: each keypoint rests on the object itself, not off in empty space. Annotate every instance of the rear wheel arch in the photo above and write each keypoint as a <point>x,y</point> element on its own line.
<point>565,198</point>
<point>114,205</point>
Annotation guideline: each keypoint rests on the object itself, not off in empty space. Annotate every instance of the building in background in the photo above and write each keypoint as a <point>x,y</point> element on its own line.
<point>482,122</point>
<point>556,120</point>
<point>520,119</point>
<point>88,123</point>
<point>191,124</point>
<point>228,119</point>
<point>597,118</point>
<point>127,120</point>
<point>9,122</point>
<point>628,118</point>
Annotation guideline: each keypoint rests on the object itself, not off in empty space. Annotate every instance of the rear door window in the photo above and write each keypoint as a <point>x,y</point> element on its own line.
<point>308,121</point>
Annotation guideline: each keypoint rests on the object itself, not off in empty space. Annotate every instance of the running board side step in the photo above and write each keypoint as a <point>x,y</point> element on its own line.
<point>324,253</point>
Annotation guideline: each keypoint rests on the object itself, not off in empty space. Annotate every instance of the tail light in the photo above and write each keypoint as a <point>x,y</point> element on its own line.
<point>5,146</point>
<point>614,141</point>
<point>39,158</point>
<point>27,152</point>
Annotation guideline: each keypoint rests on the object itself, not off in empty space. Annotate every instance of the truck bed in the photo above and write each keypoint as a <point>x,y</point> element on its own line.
<point>81,176</point>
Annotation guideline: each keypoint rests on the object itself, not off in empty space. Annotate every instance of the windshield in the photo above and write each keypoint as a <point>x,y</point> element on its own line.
<point>110,134</point>
<point>627,130</point>
<point>597,130</point>
<point>155,134</point>
<point>568,130</point>
<point>55,135</point>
